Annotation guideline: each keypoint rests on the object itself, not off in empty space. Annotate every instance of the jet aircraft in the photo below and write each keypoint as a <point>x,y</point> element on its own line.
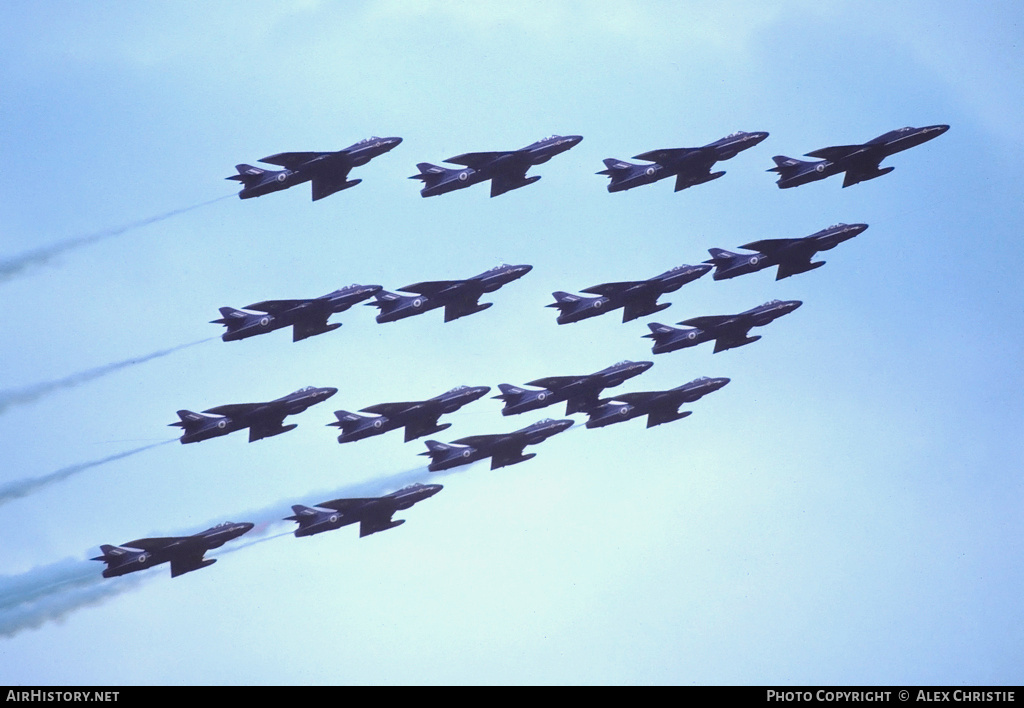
<point>327,170</point>
<point>373,514</point>
<point>791,255</point>
<point>659,406</point>
<point>503,449</point>
<point>457,297</point>
<point>308,317</point>
<point>859,162</point>
<point>690,166</point>
<point>506,170</point>
<point>264,420</point>
<point>580,392</point>
<point>728,331</point>
<point>638,298</point>
<point>419,418</point>
<point>184,553</point>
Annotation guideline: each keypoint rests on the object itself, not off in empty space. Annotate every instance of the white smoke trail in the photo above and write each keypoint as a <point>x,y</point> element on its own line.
<point>51,592</point>
<point>31,393</point>
<point>12,267</point>
<point>24,487</point>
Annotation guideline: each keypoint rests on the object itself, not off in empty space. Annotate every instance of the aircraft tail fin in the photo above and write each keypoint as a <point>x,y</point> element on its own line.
<point>613,167</point>
<point>786,166</point>
<point>302,513</point>
<point>509,393</point>
<point>720,256</point>
<point>429,174</point>
<point>230,317</point>
<point>564,301</point>
<point>247,174</point>
<point>659,332</point>
<point>189,420</point>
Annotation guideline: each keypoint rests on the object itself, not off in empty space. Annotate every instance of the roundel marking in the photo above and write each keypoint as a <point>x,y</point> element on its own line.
<point>282,177</point>
<point>222,424</point>
<point>417,302</point>
<point>598,303</point>
<point>143,558</point>
<point>541,396</point>
<point>649,171</point>
<point>465,453</point>
<point>264,321</point>
<point>377,424</point>
<point>463,176</point>
<point>334,518</point>
<point>753,260</point>
<point>819,168</point>
<point>691,335</point>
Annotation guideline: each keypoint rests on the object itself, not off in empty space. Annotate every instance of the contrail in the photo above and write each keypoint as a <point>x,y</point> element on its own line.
<point>24,487</point>
<point>14,266</point>
<point>54,591</point>
<point>31,393</point>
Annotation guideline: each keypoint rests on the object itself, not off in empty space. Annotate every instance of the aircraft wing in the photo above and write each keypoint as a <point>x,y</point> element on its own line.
<point>461,307</point>
<point>154,544</point>
<point>391,409</point>
<point>343,505</point>
<point>554,383</point>
<point>480,442</point>
<point>187,562</point>
<point>377,520</point>
<point>640,306</point>
<point>665,414</point>
<point>276,307</point>
<point>612,289</point>
<point>429,288</point>
<point>310,326</point>
<point>834,153</point>
<point>266,426</point>
<point>769,246</point>
<point>707,321</point>
<point>663,157</point>
<point>507,455</point>
<point>291,160</point>
<point>478,160</point>
<point>234,410</point>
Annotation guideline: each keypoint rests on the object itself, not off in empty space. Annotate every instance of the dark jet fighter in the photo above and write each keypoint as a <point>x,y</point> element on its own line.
<point>327,170</point>
<point>691,166</point>
<point>728,331</point>
<point>419,418</point>
<point>791,255</point>
<point>373,514</point>
<point>638,298</point>
<point>580,392</point>
<point>308,317</point>
<point>264,420</point>
<point>506,170</point>
<point>659,406</point>
<point>503,449</point>
<point>859,162</point>
<point>184,553</point>
<point>457,297</point>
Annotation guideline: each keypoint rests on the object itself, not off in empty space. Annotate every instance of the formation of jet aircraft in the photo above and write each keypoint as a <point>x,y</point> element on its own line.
<point>372,514</point>
<point>504,448</point>
<point>728,331</point>
<point>264,420</point>
<point>659,406</point>
<point>690,166</point>
<point>419,418</point>
<point>506,170</point>
<point>581,393</point>
<point>791,255</point>
<point>307,317</point>
<point>184,553</point>
<point>638,298</point>
<point>328,171</point>
<point>859,162</point>
<point>457,297</point>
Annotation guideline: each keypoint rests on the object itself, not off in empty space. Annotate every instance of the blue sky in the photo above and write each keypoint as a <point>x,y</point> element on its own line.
<point>846,510</point>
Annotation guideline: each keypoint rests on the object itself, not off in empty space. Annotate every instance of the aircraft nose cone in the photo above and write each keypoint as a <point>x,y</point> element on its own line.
<point>758,137</point>
<point>245,527</point>
<point>645,365</point>
<point>328,392</point>
<point>937,129</point>
<point>793,304</point>
<point>704,267</point>
<point>432,489</point>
